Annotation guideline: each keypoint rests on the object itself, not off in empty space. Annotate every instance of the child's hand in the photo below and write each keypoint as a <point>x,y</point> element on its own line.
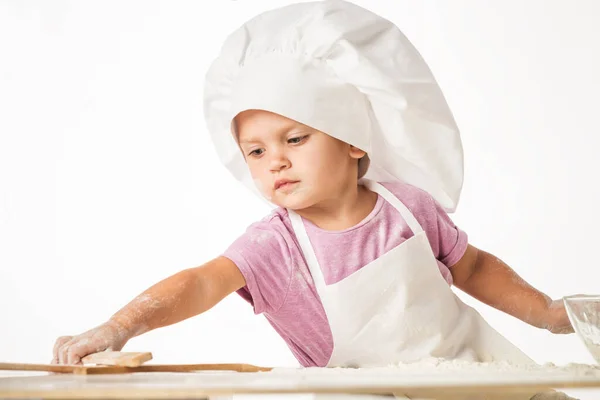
<point>556,320</point>
<point>71,349</point>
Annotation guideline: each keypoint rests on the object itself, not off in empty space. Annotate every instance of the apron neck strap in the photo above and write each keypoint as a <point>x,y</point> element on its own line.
<point>410,219</point>
<point>307,248</point>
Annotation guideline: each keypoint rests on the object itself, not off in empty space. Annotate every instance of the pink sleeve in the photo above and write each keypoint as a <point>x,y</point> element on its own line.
<point>447,241</point>
<point>262,256</point>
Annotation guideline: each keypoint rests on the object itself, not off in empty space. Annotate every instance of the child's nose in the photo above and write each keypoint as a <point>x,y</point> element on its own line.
<point>279,161</point>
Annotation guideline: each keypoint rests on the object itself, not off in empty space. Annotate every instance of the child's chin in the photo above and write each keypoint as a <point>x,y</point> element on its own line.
<point>294,203</point>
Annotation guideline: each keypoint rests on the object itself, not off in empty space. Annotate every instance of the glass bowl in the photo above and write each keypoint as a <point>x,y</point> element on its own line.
<point>584,314</point>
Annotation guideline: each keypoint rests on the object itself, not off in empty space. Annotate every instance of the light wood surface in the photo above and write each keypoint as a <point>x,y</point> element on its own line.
<point>440,386</point>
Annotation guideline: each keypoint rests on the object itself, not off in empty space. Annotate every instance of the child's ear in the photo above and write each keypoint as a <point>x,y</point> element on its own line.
<point>357,153</point>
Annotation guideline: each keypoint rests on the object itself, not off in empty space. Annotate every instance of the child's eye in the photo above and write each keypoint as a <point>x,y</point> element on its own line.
<point>297,140</point>
<point>256,152</point>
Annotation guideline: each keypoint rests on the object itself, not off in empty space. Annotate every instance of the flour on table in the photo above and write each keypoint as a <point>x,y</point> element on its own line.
<point>442,370</point>
<point>439,365</point>
<point>552,396</point>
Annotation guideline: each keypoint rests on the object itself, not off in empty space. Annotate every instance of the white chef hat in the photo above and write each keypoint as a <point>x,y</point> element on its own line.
<point>345,71</point>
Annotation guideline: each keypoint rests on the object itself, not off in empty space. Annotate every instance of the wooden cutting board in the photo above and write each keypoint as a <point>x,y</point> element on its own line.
<point>109,369</point>
<point>115,362</point>
<point>118,358</point>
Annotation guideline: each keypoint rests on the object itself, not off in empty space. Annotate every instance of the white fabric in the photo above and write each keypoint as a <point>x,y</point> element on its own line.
<point>347,72</point>
<point>399,308</point>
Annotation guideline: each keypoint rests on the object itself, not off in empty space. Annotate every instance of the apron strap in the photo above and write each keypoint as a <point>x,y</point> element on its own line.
<point>307,248</point>
<point>410,219</point>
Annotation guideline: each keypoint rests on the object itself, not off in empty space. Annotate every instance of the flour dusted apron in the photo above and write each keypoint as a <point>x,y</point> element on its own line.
<point>399,308</point>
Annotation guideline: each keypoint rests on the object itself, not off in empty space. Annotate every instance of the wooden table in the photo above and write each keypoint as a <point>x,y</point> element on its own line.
<point>442,385</point>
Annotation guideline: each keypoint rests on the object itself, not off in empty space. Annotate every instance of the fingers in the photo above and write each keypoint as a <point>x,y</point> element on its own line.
<point>561,330</point>
<point>62,351</point>
<point>74,354</point>
<point>57,345</point>
<point>78,347</point>
<point>71,349</point>
<point>566,330</point>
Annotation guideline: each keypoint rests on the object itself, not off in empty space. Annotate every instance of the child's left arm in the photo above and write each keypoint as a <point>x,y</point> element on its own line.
<point>490,280</point>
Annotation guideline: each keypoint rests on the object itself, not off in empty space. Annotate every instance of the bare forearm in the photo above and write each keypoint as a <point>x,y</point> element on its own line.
<point>181,296</point>
<point>496,284</point>
<point>172,300</point>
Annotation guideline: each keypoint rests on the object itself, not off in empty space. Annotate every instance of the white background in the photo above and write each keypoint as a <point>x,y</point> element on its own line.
<point>109,183</point>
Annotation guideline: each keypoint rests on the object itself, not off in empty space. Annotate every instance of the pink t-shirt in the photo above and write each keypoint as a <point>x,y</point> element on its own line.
<point>279,283</point>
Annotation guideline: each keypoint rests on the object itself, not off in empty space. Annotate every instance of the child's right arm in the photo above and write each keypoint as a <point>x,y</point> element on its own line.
<point>181,296</point>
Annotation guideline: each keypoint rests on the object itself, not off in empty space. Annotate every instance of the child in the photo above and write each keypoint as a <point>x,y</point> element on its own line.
<point>328,112</point>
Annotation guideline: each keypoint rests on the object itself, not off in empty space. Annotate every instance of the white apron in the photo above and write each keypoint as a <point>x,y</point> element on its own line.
<point>399,308</point>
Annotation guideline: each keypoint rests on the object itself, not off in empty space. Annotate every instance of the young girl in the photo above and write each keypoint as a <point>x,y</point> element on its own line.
<point>328,112</point>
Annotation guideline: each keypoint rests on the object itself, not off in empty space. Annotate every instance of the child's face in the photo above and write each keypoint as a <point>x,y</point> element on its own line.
<point>294,165</point>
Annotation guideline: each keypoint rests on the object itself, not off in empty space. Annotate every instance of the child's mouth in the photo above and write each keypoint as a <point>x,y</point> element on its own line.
<point>285,185</point>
